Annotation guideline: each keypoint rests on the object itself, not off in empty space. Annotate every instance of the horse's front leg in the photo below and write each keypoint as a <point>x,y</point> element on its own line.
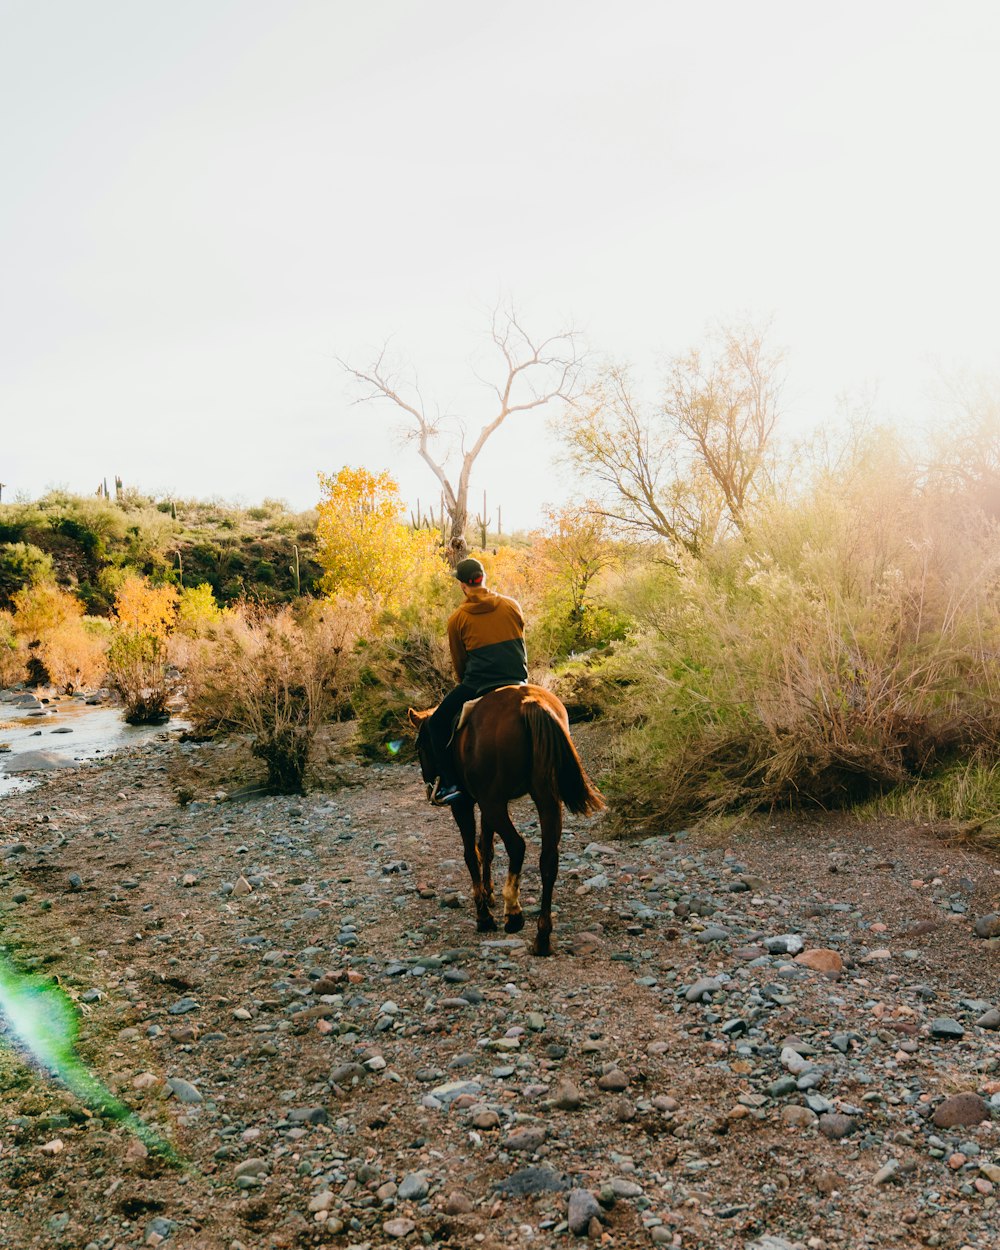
<point>499,819</point>
<point>550,822</point>
<point>465,817</point>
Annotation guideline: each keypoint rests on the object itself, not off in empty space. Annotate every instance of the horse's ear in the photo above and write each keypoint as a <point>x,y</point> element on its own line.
<point>415,718</point>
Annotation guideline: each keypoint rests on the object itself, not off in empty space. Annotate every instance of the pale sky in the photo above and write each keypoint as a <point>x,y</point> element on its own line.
<point>205,202</point>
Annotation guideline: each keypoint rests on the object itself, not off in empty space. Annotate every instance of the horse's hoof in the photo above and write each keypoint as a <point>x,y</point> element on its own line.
<point>514,923</point>
<point>541,948</point>
<point>486,924</point>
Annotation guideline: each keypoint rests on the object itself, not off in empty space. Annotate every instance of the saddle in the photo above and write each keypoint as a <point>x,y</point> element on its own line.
<point>467,707</point>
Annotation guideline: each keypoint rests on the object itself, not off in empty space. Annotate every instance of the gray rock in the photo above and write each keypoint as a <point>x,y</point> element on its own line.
<point>532,1181</point>
<point>251,1167</point>
<point>182,1006</point>
<point>413,1187</point>
<point>581,1209</point>
<point>988,926</point>
<point>161,1227</point>
<point>446,1094</point>
<point>307,1115</point>
<point>702,988</point>
<point>989,1019</point>
<point>946,1028</point>
<point>784,944</point>
<point>183,1090</point>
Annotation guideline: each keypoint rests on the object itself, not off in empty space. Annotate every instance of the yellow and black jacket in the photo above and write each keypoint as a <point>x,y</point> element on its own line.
<point>486,636</point>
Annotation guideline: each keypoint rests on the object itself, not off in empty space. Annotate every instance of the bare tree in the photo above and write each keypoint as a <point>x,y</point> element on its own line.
<point>724,405</point>
<point>533,372</point>
<point>636,463</point>
<point>690,469</point>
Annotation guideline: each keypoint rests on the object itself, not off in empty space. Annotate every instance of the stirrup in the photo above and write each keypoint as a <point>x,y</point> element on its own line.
<point>439,798</point>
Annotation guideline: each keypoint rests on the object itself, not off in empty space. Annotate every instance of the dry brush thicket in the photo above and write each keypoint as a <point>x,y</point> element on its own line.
<point>843,646</point>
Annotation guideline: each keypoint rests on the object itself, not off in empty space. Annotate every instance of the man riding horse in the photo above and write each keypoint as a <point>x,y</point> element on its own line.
<point>486,637</point>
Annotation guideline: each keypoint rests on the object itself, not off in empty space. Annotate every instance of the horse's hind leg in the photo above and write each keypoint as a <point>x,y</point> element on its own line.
<point>465,817</point>
<point>550,820</point>
<point>486,836</point>
<point>498,818</point>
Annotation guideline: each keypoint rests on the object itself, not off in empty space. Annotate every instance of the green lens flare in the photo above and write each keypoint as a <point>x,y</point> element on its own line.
<point>43,1019</point>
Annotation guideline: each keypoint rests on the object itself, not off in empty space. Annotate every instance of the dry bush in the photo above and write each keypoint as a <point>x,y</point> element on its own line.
<point>276,679</point>
<point>137,670</point>
<point>844,645</point>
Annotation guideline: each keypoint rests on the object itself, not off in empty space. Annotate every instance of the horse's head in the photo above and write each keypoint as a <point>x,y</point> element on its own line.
<point>425,753</point>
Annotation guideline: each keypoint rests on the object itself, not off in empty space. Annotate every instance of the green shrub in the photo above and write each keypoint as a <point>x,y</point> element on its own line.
<point>22,564</point>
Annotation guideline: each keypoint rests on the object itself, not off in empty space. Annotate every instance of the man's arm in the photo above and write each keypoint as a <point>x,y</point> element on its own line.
<point>459,655</point>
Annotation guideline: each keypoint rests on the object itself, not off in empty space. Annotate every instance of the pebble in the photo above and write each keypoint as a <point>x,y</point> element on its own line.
<point>821,960</point>
<point>614,1081</point>
<point>526,1140</point>
<point>959,1110</point>
<point>399,1228</point>
<point>835,1125</point>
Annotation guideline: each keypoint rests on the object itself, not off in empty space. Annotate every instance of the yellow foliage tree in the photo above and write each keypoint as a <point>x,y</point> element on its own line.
<point>42,609</point>
<point>577,546</point>
<point>12,652</point>
<point>517,572</point>
<point>363,545</point>
<point>144,608</point>
<point>61,648</point>
<point>197,610</point>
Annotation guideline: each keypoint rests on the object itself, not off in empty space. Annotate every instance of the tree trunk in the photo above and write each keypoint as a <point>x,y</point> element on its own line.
<point>457,548</point>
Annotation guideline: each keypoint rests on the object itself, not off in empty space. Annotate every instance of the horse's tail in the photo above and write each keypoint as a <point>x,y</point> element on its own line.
<point>554,759</point>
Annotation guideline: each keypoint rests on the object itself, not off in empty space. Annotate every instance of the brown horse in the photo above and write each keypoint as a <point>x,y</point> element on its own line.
<point>515,741</point>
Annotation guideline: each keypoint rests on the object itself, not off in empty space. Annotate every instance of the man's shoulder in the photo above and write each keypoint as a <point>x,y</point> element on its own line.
<point>511,604</point>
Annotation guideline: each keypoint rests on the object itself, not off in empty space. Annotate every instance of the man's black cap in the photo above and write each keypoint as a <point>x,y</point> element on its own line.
<point>470,571</point>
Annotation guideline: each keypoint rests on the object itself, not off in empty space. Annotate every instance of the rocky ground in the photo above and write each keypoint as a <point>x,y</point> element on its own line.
<point>293,993</point>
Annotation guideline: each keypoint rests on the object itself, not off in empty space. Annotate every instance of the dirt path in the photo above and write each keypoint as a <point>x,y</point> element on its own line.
<point>354,1065</point>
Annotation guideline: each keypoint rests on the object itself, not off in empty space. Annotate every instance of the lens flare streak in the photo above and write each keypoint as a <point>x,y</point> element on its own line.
<point>43,1020</point>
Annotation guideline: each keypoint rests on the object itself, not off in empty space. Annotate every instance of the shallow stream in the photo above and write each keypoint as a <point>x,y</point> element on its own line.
<point>65,729</point>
